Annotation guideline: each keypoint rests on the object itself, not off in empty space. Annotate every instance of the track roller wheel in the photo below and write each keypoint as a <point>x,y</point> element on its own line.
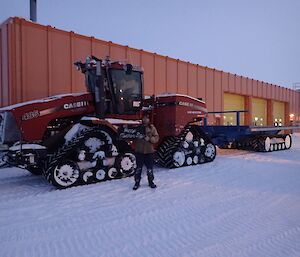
<point>112,173</point>
<point>87,177</point>
<point>178,158</point>
<point>185,145</point>
<point>127,164</point>
<point>65,174</point>
<point>189,160</point>
<point>195,159</point>
<point>100,174</point>
<point>189,137</point>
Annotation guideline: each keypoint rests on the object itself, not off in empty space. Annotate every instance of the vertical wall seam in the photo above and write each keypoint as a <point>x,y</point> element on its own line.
<point>48,61</point>
<point>222,96</point>
<point>187,78</point>
<point>91,45</point>
<point>166,79</point>
<point>109,49</point>
<point>213,90</point>
<point>154,73</point>
<point>141,59</point>
<point>126,53</point>
<point>71,60</point>
<point>228,90</point>
<point>13,59</point>
<point>17,64</point>
<point>1,68</point>
<point>21,61</point>
<point>177,69</point>
<point>235,84</point>
<point>8,66</point>
<point>197,81</point>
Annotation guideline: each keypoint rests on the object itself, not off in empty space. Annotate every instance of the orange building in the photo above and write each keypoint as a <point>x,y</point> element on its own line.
<point>37,61</point>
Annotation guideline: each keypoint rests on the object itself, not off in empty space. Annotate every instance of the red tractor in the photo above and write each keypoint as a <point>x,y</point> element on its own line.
<point>83,138</point>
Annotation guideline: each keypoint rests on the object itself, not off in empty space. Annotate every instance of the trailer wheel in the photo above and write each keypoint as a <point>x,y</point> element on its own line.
<point>210,152</point>
<point>288,141</point>
<point>279,146</point>
<point>268,144</point>
<point>65,174</point>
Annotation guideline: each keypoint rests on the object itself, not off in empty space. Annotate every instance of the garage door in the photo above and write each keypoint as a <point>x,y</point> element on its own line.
<point>259,112</point>
<point>278,113</point>
<point>233,102</point>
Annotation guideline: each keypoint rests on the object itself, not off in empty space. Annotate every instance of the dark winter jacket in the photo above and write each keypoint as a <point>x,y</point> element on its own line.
<point>145,145</point>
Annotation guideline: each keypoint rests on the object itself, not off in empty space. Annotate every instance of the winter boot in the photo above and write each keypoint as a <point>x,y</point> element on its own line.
<point>150,179</point>
<point>152,185</point>
<point>136,186</point>
<point>137,178</point>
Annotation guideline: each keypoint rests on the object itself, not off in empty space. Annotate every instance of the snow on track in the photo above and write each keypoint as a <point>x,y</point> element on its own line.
<point>242,204</point>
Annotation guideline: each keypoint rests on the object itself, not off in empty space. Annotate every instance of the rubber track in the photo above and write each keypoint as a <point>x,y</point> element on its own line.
<point>66,149</point>
<point>171,144</point>
<point>257,144</point>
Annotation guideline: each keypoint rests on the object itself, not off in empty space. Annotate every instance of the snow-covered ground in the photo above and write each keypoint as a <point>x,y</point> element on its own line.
<point>242,204</point>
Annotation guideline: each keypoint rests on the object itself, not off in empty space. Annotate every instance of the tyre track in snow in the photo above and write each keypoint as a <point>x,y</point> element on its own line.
<point>15,185</point>
<point>215,210</point>
<point>176,203</point>
<point>114,215</point>
<point>283,241</point>
<point>155,224</point>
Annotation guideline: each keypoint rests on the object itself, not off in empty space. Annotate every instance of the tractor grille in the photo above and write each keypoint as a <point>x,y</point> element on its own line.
<point>9,131</point>
<point>2,120</point>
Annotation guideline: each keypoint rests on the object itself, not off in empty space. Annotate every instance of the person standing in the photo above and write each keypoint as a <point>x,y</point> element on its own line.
<point>145,152</point>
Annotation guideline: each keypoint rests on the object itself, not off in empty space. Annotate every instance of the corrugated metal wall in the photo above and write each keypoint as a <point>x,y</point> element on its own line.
<point>36,61</point>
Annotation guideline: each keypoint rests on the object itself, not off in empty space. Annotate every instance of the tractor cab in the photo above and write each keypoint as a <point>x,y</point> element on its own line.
<point>117,88</point>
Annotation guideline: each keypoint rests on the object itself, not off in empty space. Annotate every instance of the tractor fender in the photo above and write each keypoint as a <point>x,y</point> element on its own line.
<point>95,122</point>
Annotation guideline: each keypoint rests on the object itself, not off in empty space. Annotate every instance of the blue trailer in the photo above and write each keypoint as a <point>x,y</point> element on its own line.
<point>255,138</point>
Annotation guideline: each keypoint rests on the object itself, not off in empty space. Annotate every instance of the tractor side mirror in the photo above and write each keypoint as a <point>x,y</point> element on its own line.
<point>80,66</point>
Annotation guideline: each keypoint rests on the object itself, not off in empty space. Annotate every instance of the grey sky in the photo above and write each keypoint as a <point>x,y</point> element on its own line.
<point>259,39</point>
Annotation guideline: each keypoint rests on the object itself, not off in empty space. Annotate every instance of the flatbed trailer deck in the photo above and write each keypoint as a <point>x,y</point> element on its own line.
<point>256,138</point>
